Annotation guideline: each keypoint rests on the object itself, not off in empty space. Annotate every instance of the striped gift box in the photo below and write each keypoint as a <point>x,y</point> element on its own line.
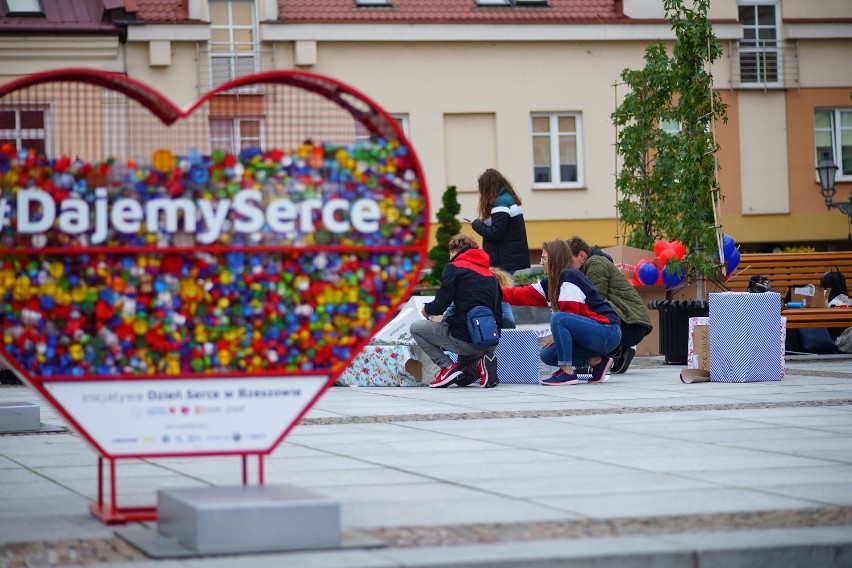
<point>744,344</point>
<point>517,356</point>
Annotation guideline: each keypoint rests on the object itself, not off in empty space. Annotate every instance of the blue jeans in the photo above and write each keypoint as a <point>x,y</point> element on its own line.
<point>576,339</point>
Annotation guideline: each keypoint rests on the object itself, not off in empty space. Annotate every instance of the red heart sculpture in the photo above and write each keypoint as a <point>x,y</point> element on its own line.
<point>163,268</point>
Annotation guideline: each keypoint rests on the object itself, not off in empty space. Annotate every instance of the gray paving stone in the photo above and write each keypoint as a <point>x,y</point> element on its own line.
<point>673,502</point>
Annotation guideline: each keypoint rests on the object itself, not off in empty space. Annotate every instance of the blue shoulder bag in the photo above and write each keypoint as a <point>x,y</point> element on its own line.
<point>482,325</point>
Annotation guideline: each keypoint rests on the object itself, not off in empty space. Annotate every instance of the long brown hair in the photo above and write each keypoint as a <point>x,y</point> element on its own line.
<point>490,183</point>
<point>559,259</point>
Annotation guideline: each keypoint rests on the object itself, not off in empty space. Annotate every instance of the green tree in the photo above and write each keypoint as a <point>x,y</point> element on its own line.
<point>448,226</point>
<point>668,185</point>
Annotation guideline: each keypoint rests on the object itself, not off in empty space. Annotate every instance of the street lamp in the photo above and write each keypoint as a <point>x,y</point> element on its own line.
<point>827,172</point>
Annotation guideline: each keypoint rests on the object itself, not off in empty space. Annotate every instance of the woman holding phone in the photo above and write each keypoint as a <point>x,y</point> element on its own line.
<point>501,223</point>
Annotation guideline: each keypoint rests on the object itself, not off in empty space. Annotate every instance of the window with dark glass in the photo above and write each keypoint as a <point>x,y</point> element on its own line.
<point>759,48</point>
<point>25,129</point>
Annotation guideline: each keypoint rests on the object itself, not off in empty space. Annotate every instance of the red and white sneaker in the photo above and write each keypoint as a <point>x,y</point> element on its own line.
<point>446,377</point>
<point>487,369</point>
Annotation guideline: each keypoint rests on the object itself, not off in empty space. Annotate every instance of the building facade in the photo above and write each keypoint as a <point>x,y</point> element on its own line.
<point>524,86</point>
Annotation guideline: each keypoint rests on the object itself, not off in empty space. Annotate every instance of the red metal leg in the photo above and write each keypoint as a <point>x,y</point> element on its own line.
<point>113,514</point>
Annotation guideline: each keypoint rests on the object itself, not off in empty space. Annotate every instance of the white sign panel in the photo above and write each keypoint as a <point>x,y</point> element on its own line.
<point>186,416</point>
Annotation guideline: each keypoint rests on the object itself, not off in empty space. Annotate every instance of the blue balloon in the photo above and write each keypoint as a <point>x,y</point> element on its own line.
<point>733,261</point>
<point>728,245</point>
<point>672,279</point>
<point>648,273</point>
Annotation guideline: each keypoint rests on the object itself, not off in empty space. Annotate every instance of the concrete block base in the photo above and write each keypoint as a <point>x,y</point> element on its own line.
<point>222,520</point>
<point>19,416</point>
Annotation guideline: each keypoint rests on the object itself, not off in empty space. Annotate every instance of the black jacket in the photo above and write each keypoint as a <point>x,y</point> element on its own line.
<point>505,238</point>
<point>466,282</point>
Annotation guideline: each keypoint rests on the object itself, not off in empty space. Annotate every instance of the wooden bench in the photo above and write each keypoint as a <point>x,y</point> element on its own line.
<point>790,269</point>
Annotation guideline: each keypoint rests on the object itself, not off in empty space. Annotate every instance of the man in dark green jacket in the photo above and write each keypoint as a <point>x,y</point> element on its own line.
<point>621,295</point>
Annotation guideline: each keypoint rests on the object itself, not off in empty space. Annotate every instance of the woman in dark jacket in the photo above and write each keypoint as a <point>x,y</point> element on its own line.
<point>501,223</point>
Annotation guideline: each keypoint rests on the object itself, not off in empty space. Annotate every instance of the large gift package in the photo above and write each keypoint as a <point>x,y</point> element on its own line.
<point>699,343</point>
<point>392,364</point>
<point>392,358</point>
<point>517,356</point>
<point>744,337</point>
<point>518,360</point>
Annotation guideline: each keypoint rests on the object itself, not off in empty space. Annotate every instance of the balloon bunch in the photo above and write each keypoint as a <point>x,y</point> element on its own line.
<point>732,255</point>
<point>654,271</point>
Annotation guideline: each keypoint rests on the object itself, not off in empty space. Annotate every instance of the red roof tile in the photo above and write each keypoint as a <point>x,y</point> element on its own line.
<point>153,11</point>
<point>445,11</point>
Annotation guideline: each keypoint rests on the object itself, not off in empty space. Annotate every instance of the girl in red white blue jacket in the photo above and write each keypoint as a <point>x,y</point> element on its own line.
<point>584,326</point>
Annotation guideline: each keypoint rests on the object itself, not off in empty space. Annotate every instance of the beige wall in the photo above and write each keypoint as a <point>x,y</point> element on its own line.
<point>22,55</point>
<point>763,153</point>
<point>428,82</point>
<point>178,81</point>
<point>825,63</point>
<point>642,9</point>
<point>808,9</point>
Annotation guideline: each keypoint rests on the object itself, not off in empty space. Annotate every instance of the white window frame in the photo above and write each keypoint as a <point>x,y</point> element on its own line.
<point>759,50</point>
<point>402,120</point>
<point>554,135</point>
<point>362,135</point>
<point>835,129</point>
<point>372,3</point>
<point>18,134</point>
<point>232,55</point>
<point>236,140</point>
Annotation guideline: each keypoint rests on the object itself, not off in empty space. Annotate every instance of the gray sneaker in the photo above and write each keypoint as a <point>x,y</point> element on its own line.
<point>487,368</point>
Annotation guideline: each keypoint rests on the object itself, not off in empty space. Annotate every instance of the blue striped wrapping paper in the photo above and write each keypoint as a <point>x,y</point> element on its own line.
<point>744,344</point>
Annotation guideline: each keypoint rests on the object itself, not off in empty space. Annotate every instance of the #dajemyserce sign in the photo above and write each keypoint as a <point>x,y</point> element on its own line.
<point>173,296</point>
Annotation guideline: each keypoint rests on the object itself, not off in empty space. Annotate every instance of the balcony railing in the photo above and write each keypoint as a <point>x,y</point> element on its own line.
<point>764,65</point>
<point>221,62</point>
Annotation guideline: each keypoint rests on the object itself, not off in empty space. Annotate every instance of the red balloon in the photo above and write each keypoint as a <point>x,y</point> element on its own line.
<point>679,248</point>
<point>641,262</point>
<point>666,255</point>
<point>660,246</point>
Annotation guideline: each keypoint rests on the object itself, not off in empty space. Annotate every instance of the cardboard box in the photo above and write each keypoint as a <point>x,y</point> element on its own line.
<point>626,258</point>
<point>809,295</point>
<point>698,345</point>
<point>650,345</point>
